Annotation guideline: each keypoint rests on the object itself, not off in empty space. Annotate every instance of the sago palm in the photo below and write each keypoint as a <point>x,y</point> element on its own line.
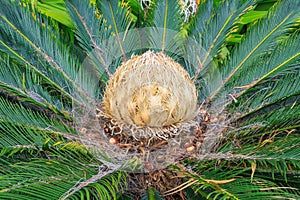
<point>150,100</point>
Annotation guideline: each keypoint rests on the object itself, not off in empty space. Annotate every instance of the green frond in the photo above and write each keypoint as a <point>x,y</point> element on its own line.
<point>279,67</point>
<point>32,101</point>
<point>86,30</point>
<point>199,21</point>
<point>105,36</point>
<point>276,154</point>
<point>211,30</point>
<point>167,16</point>
<point>280,90</point>
<point>165,35</point>
<point>16,113</point>
<point>116,18</point>
<point>261,38</point>
<point>208,40</point>
<point>152,194</point>
<point>259,189</point>
<point>269,108</point>
<point>232,177</point>
<point>273,120</point>
<point>32,40</point>
<point>91,35</point>
<point>19,134</point>
<point>269,152</point>
<point>15,74</point>
<point>56,179</point>
<point>57,171</point>
<point>29,86</point>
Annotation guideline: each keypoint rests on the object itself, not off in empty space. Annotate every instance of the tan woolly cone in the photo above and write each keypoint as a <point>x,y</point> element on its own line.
<point>150,90</point>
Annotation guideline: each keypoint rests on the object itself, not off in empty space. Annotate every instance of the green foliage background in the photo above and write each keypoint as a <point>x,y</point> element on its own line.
<point>254,44</point>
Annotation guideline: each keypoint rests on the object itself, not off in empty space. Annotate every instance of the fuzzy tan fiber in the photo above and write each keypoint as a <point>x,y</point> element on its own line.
<point>150,90</point>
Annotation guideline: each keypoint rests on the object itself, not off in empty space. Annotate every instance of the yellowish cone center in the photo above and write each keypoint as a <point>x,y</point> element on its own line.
<point>150,90</point>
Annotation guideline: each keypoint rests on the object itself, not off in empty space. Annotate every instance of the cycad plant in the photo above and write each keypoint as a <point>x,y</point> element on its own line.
<point>150,100</point>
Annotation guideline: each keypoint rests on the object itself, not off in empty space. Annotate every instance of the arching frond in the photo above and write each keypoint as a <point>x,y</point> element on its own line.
<point>103,33</point>
<point>66,171</point>
<point>237,176</point>
<point>166,17</point>
<point>16,113</point>
<point>211,30</point>
<point>38,49</point>
<point>259,40</point>
<point>117,19</point>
